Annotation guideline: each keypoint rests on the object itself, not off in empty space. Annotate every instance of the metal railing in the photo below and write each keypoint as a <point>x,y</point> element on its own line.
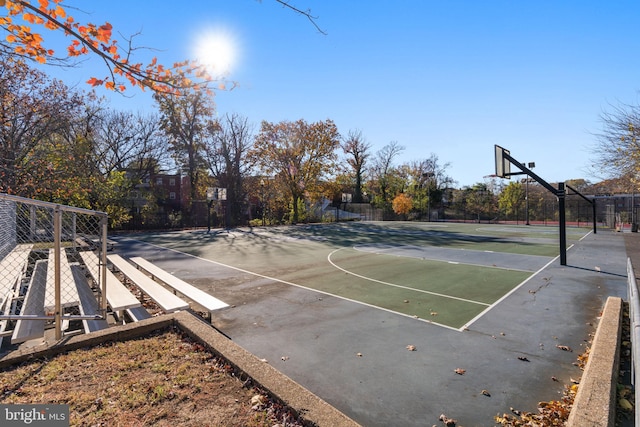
<point>634,319</point>
<point>33,233</point>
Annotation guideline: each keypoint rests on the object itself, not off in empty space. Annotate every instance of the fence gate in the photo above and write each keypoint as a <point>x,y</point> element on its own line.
<point>42,285</point>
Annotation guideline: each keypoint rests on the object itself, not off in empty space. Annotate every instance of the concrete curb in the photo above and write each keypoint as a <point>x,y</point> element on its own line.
<point>312,408</point>
<point>307,404</point>
<point>595,402</point>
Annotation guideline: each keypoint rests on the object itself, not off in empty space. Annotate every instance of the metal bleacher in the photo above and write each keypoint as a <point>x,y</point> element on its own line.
<point>54,275</point>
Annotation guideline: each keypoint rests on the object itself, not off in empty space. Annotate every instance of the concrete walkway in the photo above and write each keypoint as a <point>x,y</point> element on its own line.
<point>355,357</point>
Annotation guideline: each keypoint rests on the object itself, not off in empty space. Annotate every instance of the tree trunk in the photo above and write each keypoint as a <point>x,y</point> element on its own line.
<point>294,220</point>
<point>357,197</point>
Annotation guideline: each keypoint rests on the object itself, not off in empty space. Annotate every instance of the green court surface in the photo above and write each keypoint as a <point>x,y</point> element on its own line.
<point>443,273</point>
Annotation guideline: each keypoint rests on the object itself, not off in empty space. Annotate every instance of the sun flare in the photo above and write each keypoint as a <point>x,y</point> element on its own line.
<point>216,50</point>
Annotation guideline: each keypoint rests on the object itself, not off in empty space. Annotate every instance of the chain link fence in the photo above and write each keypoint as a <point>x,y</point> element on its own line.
<point>43,284</point>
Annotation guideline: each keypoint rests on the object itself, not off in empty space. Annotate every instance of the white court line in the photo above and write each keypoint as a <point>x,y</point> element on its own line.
<point>299,286</point>
<point>424,258</point>
<point>399,286</point>
<point>461,329</point>
<point>469,323</point>
<point>513,290</point>
<point>583,237</point>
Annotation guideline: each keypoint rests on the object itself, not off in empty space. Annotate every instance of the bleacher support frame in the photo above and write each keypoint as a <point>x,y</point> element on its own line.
<point>44,226</point>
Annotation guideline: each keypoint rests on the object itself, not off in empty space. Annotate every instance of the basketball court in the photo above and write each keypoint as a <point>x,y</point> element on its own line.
<point>443,273</point>
<point>337,308</point>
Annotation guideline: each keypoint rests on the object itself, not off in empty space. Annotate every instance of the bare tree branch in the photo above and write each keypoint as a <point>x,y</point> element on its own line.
<point>617,148</point>
<point>305,13</point>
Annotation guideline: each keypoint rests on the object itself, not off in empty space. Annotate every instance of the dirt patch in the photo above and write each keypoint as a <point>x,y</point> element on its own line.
<point>165,379</point>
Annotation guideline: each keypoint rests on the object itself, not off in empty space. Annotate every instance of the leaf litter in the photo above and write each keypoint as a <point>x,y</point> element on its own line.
<point>556,412</point>
<point>165,379</point>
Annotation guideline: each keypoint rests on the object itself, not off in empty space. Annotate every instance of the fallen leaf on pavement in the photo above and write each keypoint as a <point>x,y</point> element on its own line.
<point>449,422</point>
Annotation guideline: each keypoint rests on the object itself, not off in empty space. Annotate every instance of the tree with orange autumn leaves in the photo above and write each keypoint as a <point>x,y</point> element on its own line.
<point>402,204</point>
<point>299,154</point>
<point>25,20</point>
<point>52,147</point>
<point>33,108</point>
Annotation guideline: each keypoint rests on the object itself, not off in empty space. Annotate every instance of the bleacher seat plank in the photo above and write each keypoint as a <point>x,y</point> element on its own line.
<point>138,313</point>
<point>197,295</point>
<point>96,242</point>
<point>81,243</point>
<point>68,290</point>
<point>160,295</point>
<point>12,268</point>
<point>33,305</point>
<point>119,297</point>
<point>88,304</point>
<point>3,323</point>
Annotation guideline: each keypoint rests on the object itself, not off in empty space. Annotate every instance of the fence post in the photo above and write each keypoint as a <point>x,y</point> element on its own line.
<point>32,222</point>
<point>103,270</point>
<point>595,219</point>
<point>73,229</point>
<point>57,249</point>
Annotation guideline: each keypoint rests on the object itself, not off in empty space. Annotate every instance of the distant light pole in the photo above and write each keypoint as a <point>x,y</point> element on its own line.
<point>428,176</point>
<point>531,165</point>
<point>365,199</point>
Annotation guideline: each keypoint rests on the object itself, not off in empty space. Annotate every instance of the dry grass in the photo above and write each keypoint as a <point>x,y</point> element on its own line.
<point>162,380</point>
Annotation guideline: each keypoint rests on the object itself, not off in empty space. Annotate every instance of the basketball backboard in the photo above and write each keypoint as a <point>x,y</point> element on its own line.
<point>503,165</point>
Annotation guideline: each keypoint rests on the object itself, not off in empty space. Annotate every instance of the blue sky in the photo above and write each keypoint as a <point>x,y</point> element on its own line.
<point>446,77</point>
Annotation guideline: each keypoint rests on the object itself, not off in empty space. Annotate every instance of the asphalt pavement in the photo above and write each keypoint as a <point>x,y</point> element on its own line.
<point>384,369</point>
